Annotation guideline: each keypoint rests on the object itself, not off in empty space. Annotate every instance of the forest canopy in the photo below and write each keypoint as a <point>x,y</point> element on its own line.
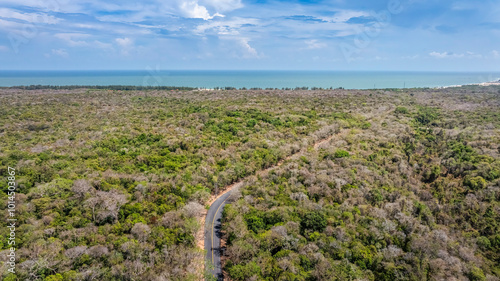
<point>112,182</point>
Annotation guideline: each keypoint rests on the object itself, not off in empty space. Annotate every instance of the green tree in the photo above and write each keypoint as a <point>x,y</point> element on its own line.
<point>314,221</point>
<point>340,153</point>
<point>243,272</point>
<point>475,183</point>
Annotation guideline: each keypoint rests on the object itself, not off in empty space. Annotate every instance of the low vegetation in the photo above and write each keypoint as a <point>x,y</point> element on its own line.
<point>412,197</point>
<point>112,182</point>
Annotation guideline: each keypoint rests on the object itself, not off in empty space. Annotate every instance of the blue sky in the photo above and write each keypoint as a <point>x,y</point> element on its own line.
<point>425,35</point>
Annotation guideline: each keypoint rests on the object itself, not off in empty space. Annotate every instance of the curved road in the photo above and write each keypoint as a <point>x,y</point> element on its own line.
<point>213,235</point>
<point>213,223</point>
<point>213,219</point>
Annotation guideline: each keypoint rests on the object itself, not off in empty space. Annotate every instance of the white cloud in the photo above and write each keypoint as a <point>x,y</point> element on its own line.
<point>73,39</point>
<point>192,9</point>
<point>126,44</point>
<point>225,27</point>
<point>87,26</point>
<point>102,45</point>
<point>80,6</point>
<point>314,44</point>
<point>135,11</point>
<point>129,27</point>
<point>11,26</point>
<point>3,48</point>
<point>327,28</point>
<point>444,55</point>
<point>198,9</point>
<point>239,47</point>
<point>39,18</point>
<point>473,55</point>
<point>82,40</point>
<point>39,4</point>
<point>447,55</point>
<point>249,51</point>
<point>60,52</point>
<point>411,57</point>
<point>223,5</point>
<point>463,6</point>
<point>345,15</point>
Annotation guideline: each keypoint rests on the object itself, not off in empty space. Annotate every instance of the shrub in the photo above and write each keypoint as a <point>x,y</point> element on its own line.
<point>244,272</point>
<point>401,110</point>
<point>340,153</point>
<point>476,274</point>
<point>57,277</point>
<point>348,187</point>
<point>475,183</point>
<point>483,242</point>
<point>366,125</point>
<point>375,196</point>
<point>255,223</point>
<point>314,221</point>
<point>432,174</point>
<point>426,115</point>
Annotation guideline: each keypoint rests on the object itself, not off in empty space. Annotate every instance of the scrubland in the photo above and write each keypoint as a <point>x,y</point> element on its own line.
<point>111,183</point>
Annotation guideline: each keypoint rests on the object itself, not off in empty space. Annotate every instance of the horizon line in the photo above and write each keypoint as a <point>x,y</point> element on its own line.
<point>263,70</point>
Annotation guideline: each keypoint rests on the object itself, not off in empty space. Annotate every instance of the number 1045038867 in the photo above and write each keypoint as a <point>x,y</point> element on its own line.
<point>12,191</point>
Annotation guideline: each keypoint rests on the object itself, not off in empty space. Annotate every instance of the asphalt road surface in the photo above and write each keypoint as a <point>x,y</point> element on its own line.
<point>214,215</point>
<point>213,235</point>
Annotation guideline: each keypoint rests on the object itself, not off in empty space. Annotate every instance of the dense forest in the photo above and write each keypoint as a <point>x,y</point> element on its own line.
<point>411,195</point>
<point>112,183</point>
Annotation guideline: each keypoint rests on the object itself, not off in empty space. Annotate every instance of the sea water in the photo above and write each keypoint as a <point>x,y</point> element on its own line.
<point>247,79</point>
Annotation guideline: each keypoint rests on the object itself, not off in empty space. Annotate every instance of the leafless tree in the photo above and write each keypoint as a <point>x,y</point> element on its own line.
<point>98,251</point>
<point>105,205</point>
<point>81,188</point>
<point>141,231</point>
<point>192,209</point>
<point>75,252</point>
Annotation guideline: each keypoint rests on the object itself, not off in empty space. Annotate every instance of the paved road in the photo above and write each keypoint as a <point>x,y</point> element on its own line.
<point>213,235</point>
<point>214,215</point>
<point>213,222</point>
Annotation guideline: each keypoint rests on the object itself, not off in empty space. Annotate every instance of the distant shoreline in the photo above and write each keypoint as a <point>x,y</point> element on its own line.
<point>492,83</point>
<point>175,88</point>
<point>246,79</point>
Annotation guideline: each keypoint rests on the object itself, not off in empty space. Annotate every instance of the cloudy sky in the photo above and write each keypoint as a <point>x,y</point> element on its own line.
<point>250,34</point>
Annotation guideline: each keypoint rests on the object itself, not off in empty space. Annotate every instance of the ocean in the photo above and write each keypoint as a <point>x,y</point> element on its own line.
<point>247,79</point>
